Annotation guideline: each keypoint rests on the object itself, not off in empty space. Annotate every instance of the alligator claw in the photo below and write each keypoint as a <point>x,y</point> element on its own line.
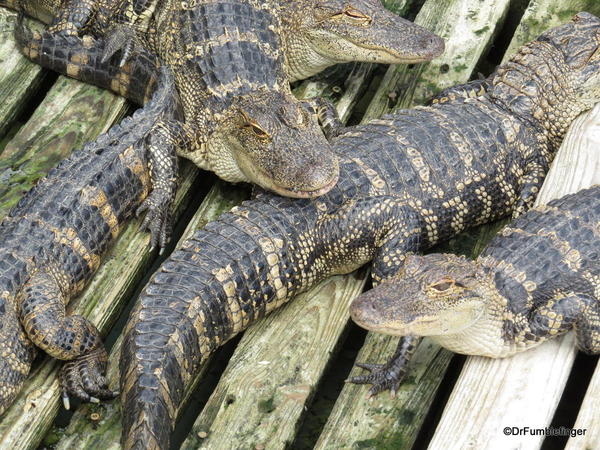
<point>122,38</point>
<point>382,376</point>
<point>158,218</point>
<point>83,378</point>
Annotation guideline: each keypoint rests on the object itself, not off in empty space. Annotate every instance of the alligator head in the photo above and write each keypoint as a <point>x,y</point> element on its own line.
<point>273,140</point>
<point>320,33</point>
<point>432,295</point>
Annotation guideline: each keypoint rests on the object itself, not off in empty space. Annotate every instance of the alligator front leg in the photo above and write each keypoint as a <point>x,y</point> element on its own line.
<point>71,338</point>
<point>391,374</point>
<point>328,117</point>
<point>389,260</point>
<point>162,144</point>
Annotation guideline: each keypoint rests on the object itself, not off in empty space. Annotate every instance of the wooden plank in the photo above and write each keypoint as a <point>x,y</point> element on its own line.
<point>383,421</point>
<point>468,27</point>
<point>71,114</point>
<point>19,78</point>
<point>527,387</point>
<point>85,431</point>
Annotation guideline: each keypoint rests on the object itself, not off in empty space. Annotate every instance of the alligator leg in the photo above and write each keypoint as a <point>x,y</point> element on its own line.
<point>82,59</point>
<point>328,117</point>
<point>530,188</point>
<point>389,375</point>
<point>577,311</point>
<point>72,338</point>
<point>389,260</point>
<point>163,142</point>
<point>460,92</point>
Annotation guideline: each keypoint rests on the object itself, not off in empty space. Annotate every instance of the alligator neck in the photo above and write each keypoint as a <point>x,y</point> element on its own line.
<point>302,59</point>
<point>534,85</point>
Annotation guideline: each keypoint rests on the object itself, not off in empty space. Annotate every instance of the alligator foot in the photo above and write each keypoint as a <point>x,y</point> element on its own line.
<point>158,217</point>
<point>328,117</point>
<point>388,376</point>
<point>83,378</point>
<point>121,37</point>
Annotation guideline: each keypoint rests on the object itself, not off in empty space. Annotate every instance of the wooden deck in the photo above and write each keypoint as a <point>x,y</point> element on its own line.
<point>281,384</point>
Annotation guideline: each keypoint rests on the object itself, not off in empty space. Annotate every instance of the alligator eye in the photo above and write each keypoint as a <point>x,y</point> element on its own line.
<point>443,285</point>
<point>258,131</point>
<point>353,15</point>
<point>357,16</point>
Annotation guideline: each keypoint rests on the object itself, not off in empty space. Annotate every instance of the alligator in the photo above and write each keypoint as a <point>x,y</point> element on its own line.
<point>240,118</point>
<point>407,181</point>
<point>51,244</point>
<point>537,279</point>
<point>315,34</point>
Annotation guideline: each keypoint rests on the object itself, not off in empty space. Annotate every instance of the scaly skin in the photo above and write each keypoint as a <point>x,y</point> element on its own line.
<point>538,279</point>
<point>51,244</point>
<point>406,182</point>
<point>231,74</point>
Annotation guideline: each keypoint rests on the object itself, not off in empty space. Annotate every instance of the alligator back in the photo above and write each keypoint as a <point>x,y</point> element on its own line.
<point>220,50</point>
<point>67,222</point>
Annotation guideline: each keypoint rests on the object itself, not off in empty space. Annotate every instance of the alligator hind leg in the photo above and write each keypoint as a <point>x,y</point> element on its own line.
<point>82,59</point>
<point>72,338</point>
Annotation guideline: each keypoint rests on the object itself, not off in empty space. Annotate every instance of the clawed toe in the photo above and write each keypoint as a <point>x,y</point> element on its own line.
<point>83,379</point>
<point>157,220</point>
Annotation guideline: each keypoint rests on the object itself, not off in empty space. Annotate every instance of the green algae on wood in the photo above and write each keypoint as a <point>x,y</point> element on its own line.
<point>71,114</point>
<point>19,77</point>
<point>541,15</point>
<point>468,27</point>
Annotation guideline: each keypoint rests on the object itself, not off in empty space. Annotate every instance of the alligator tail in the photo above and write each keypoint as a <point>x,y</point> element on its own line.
<point>82,58</point>
<point>193,304</point>
<point>112,158</point>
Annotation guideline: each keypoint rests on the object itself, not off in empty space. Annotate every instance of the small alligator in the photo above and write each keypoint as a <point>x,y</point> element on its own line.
<point>407,181</point>
<point>538,279</point>
<point>51,244</point>
<point>240,118</point>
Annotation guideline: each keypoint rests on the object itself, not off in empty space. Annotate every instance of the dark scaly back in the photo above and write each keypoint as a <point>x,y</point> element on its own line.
<point>68,220</point>
<point>552,247</point>
<point>221,50</point>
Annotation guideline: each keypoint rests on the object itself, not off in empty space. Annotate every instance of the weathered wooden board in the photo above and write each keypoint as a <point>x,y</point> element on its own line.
<point>356,421</point>
<point>468,27</point>
<point>585,154</point>
<point>527,387</point>
<point>19,78</point>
